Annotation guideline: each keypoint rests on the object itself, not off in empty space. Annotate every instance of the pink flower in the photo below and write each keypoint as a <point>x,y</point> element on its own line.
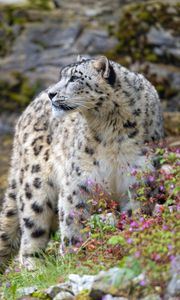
<point>165,227</point>
<point>133,172</point>
<point>137,254</point>
<point>142,282</point>
<point>134,224</point>
<point>157,257</point>
<point>151,178</point>
<point>129,241</point>
<point>170,247</point>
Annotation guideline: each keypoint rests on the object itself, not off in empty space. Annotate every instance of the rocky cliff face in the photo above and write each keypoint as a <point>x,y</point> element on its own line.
<point>38,37</point>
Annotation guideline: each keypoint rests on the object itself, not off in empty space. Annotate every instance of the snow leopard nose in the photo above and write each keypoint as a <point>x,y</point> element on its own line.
<point>52,95</point>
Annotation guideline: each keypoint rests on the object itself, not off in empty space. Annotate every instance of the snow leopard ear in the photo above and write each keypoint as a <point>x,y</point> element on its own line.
<point>101,64</point>
<point>80,58</point>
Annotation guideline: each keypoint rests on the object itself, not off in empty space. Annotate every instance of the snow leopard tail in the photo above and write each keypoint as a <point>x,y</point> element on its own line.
<point>9,226</point>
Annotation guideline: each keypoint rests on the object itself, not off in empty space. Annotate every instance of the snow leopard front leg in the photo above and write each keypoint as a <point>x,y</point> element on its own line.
<point>74,210</point>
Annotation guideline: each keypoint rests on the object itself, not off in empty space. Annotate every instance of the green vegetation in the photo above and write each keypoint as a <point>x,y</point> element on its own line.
<point>40,4</point>
<point>138,243</point>
<point>16,96</point>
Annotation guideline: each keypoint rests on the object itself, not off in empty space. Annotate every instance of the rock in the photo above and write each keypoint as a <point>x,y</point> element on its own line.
<point>173,288</point>
<point>113,281</point>
<point>79,283</point>
<point>13,1</point>
<point>63,296</point>
<point>53,291</point>
<point>110,297</point>
<point>95,42</point>
<point>165,42</point>
<point>161,37</point>
<point>151,297</point>
<point>172,123</point>
<point>27,291</point>
<point>167,169</point>
<point>108,219</point>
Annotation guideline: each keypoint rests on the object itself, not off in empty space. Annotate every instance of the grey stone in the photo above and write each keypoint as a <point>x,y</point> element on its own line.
<point>105,280</point>
<point>151,297</point>
<point>79,283</point>
<point>27,290</point>
<point>110,297</point>
<point>160,37</point>
<point>52,291</point>
<point>63,296</point>
<point>109,219</point>
<point>13,1</point>
<point>173,288</point>
<point>95,42</point>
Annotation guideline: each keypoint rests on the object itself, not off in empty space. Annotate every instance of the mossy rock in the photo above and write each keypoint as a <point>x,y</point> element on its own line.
<point>41,4</point>
<point>136,21</point>
<point>13,19</point>
<point>16,95</point>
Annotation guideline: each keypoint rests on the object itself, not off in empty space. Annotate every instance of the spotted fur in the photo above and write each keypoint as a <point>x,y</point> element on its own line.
<point>91,125</point>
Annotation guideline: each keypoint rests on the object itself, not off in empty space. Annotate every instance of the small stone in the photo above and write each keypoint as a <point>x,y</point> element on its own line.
<point>167,169</point>
<point>151,297</point>
<point>160,37</point>
<point>52,291</point>
<point>110,297</point>
<point>80,283</point>
<point>27,290</point>
<point>173,288</point>
<point>63,296</point>
<point>109,219</point>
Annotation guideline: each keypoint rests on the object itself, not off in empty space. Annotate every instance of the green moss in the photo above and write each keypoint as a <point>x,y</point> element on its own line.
<point>15,96</point>
<point>41,4</point>
<point>135,22</point>
<point>13,20</point>
<point>151,57</point>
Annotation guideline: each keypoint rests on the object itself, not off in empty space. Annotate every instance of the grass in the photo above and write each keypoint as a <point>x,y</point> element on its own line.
<point>138,243</point>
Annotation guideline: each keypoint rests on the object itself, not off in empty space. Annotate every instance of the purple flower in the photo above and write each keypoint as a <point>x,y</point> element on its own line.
<point>8,284</point>
<point>151,178</point>
<point>161,188</point>
<point>17,270</point>
<point>157,257</point>
<point>129,241</point>
<point>137,254</point>
<point>142,282</point>
<point>134,172</point>
<point>170,247</point>
<point>134,224</point>
<point>165,227</point>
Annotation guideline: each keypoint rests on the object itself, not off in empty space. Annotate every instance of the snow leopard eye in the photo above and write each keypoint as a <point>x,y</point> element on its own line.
<point>73,78</point>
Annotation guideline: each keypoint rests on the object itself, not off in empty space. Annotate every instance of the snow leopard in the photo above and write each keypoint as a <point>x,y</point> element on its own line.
<point>90,126</point>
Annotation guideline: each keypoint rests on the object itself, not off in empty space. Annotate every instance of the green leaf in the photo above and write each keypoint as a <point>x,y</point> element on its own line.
<point>117,240</point>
